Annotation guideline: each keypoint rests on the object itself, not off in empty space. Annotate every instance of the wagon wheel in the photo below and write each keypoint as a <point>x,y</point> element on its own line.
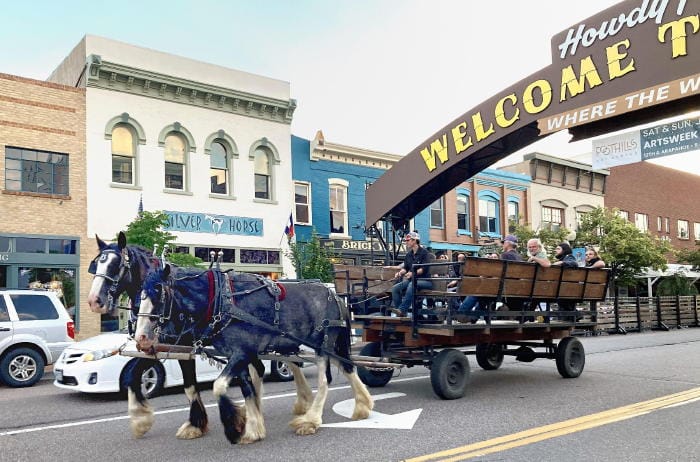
<point>449,374</point>
<point>570,357</point>
<point>373,377</point>
<point>489,356</point>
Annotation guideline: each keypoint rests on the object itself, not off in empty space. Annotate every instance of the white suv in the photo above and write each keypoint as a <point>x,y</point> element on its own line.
<point>34,330</point>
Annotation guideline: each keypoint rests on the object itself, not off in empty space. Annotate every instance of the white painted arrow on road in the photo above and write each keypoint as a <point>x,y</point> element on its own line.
<point>402,421</point>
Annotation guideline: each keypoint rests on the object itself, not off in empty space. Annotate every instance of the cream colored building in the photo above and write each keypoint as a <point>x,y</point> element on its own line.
<point>561,190</point>
<point>208,145</point>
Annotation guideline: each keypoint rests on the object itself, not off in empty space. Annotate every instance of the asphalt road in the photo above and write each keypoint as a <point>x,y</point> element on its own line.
<point>637,400</point>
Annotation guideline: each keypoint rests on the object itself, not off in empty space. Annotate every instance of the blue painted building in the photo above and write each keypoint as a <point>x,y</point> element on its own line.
<point>329,189</point>
<point>330,181</point>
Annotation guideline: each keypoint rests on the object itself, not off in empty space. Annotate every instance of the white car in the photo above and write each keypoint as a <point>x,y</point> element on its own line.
<point>91,366</point>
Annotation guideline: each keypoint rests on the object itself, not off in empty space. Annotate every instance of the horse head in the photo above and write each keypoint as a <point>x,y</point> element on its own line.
<point>156,293</point>
<point>111,274</point>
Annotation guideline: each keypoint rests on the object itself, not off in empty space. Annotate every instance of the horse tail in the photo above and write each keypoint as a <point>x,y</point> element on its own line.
<point>342,342</point>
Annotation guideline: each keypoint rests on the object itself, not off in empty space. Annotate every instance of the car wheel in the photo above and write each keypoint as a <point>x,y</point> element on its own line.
<point>22,367</point>
<point>152,377</point>
<point>280,371</point>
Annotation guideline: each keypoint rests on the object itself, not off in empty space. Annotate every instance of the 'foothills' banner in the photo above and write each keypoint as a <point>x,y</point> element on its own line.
<point>633,56</point>
<point>653,142</point>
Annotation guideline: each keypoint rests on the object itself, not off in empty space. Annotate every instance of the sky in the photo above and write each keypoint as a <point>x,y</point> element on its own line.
<point>376,74</point>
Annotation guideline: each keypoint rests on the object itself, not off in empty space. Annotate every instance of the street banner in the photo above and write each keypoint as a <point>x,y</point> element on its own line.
<point>671,138</point>
<point>650,143</point>
<point>617,150</point>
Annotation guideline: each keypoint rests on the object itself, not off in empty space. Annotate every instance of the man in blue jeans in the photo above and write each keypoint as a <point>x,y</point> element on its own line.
<point>415,255</point>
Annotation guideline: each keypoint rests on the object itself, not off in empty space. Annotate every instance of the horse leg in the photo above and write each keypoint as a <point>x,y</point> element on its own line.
<point>363,400</point>
<point>197,423</point>
<point>255,423</point>
<point>140,412</point>
<point>304,394</point>
<point>308,423</point>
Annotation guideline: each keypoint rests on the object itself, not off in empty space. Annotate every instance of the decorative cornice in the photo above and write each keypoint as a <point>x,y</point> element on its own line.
<point>351,155</point>
<point>117,77</point>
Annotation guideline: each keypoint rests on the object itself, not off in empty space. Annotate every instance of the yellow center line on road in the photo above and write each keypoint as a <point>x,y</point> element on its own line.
<point>534,435</point>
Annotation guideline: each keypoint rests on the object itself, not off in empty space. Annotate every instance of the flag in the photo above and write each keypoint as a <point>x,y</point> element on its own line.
<point>289,229</point>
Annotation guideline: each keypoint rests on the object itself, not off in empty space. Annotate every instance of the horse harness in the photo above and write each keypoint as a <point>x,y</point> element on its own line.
<point>222,311</point>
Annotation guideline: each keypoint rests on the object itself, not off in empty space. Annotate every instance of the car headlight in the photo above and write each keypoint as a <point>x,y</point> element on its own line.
<point>99,354</point>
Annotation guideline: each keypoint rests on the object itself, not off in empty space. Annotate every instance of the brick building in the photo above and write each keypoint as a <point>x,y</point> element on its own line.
<point>43,188</point>
<point>660,199</point>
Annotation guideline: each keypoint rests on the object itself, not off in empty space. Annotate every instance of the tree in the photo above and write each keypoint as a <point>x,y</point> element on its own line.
<point>147,231</point>
<point>625,248</point>
<point>311,259</point>
<point>677,284</point>
<point>692,257</point>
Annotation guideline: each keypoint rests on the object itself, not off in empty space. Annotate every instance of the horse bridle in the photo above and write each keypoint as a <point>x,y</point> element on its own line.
<point>124,268</point>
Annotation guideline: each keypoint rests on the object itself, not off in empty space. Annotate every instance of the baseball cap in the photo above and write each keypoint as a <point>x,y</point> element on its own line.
<point>511,238</point>
<point>412,235</point>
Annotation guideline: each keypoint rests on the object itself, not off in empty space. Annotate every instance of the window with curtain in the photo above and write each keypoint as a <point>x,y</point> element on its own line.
<point>175,149</point>
<point>219,168</point>
<point>123,155</point>
<point>263,174</point>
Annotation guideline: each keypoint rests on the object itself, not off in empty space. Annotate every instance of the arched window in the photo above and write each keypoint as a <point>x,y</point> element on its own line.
<point>123,155</point>
<point>175,149</point>
<point>263,174</point>
<point>219,168</point>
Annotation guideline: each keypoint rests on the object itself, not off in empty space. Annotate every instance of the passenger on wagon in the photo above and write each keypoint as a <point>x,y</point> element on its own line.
<point>471,303</point>
<point>415,255</point>
<point>593,260</point>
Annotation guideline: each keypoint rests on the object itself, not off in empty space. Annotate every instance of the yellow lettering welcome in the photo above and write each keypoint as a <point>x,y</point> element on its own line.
<point>678,34</point>
<point>615,56</point>
<point>436,148</point>
<point>575,85</point>
<point>458,134</point>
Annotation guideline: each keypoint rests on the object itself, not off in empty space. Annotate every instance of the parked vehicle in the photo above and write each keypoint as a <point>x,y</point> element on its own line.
<point>34,329</point>
<point>94,365</point>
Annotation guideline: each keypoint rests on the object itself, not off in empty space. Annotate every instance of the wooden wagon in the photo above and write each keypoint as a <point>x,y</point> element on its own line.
<point>528,312</point>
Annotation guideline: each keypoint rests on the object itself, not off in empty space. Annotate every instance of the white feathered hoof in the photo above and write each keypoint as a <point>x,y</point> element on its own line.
<point>140,424</point>
<point>187,431</point>
<point>304,426</point>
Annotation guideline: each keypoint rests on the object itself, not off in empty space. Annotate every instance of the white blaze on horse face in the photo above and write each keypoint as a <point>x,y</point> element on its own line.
<point>144,335</point>
<point>97,297</point>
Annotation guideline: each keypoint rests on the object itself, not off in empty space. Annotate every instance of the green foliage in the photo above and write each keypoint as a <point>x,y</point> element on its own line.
<point>311,259</point>
<point>147,230</point>
<point>622,245</point>
<point>692,257</point>
<point>677,284</point>
<point>183,259</point>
